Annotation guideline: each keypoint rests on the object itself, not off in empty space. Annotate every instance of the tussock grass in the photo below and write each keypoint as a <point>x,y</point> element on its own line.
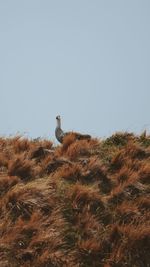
<point>83,203</point>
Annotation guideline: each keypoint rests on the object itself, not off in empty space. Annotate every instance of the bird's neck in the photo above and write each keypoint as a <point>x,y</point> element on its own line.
<point>58,124</point>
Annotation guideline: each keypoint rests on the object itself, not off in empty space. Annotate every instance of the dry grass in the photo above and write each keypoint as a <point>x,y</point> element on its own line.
<point>81,204</point>
<point>21,167</point>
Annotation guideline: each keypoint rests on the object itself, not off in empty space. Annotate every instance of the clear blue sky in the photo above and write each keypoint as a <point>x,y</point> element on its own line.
<point>87,60</point>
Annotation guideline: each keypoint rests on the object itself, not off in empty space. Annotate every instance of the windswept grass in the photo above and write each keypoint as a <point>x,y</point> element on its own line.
<point>80,204</point>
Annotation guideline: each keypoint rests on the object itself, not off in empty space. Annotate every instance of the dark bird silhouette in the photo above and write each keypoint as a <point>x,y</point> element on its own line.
<point>60,134</point>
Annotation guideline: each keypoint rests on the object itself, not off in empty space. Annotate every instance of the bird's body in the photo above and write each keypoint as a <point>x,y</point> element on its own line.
<point>60,134</point>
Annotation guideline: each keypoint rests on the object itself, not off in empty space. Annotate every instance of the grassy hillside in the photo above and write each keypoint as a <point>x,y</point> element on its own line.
<point>80,204</point>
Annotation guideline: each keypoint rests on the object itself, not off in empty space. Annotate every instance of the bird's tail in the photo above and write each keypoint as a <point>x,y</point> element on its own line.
<point>83,136</point>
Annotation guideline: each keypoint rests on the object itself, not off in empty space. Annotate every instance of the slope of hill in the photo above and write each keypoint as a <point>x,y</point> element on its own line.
<point>81,204</point>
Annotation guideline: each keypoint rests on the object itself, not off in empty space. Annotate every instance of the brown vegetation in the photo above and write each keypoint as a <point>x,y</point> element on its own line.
<point>83,203</point>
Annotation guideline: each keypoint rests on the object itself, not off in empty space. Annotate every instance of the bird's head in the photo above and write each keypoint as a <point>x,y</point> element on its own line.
<point>58,118</point>
<point>58,121</point>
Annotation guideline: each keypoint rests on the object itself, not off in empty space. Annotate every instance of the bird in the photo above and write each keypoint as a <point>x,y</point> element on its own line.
<point>60,134</point>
